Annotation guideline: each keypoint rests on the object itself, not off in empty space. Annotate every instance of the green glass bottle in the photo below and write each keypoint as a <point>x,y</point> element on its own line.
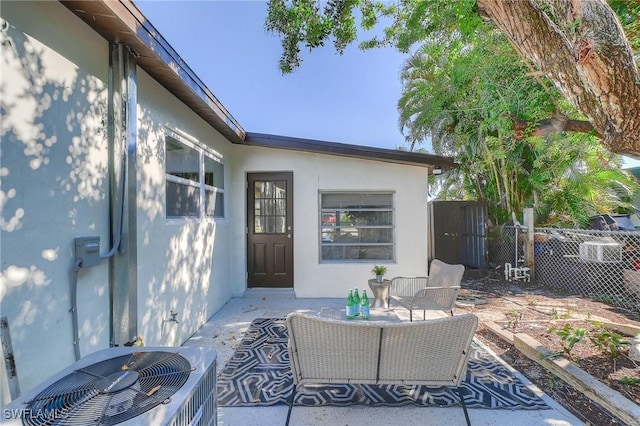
<point>364,306</point>
<point>356,303</point>
<point>350,306</point>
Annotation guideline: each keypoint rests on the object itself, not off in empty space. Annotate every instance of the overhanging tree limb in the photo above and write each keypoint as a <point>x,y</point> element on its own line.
<point>585,53</point>
<point>549,126</point>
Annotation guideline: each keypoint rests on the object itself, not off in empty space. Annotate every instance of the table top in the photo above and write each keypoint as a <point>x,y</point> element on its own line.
<point>375,281</point>
<point>376,314</point>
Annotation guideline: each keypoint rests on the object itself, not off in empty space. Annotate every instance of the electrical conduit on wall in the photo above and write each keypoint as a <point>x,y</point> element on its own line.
<point>78,265</point>
<point>119,213</point>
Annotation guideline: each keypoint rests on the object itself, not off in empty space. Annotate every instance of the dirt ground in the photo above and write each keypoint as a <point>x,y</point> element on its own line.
<point>563,324</point>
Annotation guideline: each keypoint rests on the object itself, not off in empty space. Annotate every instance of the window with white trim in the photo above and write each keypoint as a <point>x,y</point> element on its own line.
<point>194,179</point>
<point>356,226</point>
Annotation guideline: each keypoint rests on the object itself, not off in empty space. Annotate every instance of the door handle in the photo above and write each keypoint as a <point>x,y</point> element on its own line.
<point>288,235</point>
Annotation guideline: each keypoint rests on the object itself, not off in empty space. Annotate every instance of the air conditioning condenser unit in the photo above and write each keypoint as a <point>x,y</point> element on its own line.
<point>601,251</point>
<point>125,385</point>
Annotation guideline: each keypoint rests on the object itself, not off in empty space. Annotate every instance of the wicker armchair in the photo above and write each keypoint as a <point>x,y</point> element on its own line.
<point>438,291</point>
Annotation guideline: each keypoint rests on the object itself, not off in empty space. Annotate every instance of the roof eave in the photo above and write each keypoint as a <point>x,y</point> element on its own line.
<point>122,22</point>
<point>347,150</point>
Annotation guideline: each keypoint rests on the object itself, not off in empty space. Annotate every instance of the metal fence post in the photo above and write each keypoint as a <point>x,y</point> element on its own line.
<point>529,252</point>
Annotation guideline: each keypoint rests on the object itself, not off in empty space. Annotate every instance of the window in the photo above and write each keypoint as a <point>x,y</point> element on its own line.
<point>356,226</point>
<point>195,179</point>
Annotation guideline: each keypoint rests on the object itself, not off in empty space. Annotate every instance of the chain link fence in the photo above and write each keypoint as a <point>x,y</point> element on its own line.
<point>603,265</point>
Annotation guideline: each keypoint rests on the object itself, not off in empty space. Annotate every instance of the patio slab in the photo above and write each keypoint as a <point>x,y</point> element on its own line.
<point>226,328</point>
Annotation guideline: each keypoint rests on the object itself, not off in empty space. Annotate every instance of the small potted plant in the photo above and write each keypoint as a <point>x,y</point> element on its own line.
<point>379,271</point>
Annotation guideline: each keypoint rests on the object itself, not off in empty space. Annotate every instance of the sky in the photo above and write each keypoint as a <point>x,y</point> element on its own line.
<point>349,98</point>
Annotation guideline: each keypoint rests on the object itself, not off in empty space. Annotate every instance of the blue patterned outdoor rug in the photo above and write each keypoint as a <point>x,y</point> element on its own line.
<point>258,373</point>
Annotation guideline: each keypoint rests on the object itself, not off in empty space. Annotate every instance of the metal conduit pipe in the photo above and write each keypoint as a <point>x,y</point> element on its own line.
<point>116,245</point>
<point>74,307</point>
<point>120,213</point>
<point>78,265</point>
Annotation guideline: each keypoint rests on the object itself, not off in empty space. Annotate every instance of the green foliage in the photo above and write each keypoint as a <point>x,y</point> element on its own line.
<point>463,86</point>
<point>304,22</point>
<point>628,12</point>
<point>629,382</point>
<point>605,298</point>
<point>379,270</point>
<point>608,342</point>
<point>311,23</point>
<point>569,336</point>
<point>554,381</point>
<point>460,94</point>
<point>513,318</point>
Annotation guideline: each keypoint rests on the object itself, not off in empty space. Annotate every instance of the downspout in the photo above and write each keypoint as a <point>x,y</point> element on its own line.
<point>116,229</point>
<point>123,146</point>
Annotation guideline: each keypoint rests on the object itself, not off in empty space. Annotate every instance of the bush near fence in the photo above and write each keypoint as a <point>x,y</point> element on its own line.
<point>604,265</point>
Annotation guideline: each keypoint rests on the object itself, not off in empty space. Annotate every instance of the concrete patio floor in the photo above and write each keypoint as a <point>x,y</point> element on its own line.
<point>226,328</point>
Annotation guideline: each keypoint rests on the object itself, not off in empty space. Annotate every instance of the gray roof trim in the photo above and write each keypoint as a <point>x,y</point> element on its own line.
<point>122,22</point>
<point>347,150</point>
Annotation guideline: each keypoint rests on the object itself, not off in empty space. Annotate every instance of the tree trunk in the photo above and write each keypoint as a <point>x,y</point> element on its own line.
<point>582,49</point>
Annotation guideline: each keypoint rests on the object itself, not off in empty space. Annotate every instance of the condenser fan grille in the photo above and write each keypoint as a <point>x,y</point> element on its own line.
<point>111,391</point>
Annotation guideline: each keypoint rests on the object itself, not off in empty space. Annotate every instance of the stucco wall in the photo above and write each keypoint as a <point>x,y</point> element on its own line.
<point>55,187</point>
<point>183,265</point>
<point>54,184</point>
<point>313,173</point>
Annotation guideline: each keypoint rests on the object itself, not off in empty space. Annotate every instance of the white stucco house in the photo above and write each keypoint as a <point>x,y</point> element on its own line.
<point>130,195</point>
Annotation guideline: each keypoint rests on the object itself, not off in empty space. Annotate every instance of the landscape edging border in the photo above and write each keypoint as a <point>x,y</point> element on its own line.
<point>610,399</point>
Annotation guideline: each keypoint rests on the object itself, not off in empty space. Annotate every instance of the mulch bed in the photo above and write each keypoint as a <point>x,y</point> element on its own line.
<point>534,310</point>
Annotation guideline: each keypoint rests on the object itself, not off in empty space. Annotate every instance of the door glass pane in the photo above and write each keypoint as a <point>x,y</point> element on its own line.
<point>259,227</point>
<point>270,208</point>
<point>271,226</point>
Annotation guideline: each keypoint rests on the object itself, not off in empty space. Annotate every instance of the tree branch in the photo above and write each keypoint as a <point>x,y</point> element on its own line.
<point>583,50</point>
<point>549,126</point>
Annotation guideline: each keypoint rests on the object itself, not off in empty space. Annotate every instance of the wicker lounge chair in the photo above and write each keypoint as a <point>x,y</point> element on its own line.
<point>432,353</point>
<point>437,291</point>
